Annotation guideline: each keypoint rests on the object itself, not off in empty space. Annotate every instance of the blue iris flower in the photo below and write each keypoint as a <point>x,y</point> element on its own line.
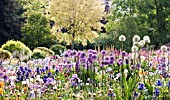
<point>159,83</point>
<point>141,86</point>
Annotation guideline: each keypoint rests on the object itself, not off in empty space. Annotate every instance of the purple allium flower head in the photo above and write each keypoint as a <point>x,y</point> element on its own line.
<point>120,62</point>
<point>5,77</point>
<point>74,52</point>
<point>111,62</point>
<point>94,52</point>
<point>107,58</point>
<point>112,58</point>
<point>90,51</point>
<point>79,53</point>
<point>123,53</point>
<point>141,86</point>
<point>159,83</point>
<point>83,55</point>
<point>66,55</point>
<point>90,55</point>
<point>94,56</point>
<point>103,52</point>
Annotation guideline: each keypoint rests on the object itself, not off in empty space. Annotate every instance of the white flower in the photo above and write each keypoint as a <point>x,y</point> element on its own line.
<point>125,71</point>
<point>134,48</point>
<point>146,39</point>
<point>140,44</point>
<point>136,38</point>
<point>164,48</point>
<point>24,82</point>
<point>143,42</point>
<point>136,44</point>
<point>122,38</point>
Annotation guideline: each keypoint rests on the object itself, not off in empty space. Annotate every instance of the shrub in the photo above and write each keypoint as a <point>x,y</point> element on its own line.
<point>38,54</point>
<point>18,49</point>
<point>57,48</point>
<point>42,52</point>
<point>4,54</point>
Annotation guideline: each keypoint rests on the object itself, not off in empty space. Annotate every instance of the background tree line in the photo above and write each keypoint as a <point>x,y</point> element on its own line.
<point>28,21</point>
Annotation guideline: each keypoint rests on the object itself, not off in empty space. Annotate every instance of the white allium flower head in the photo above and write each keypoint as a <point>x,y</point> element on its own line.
<point>140,44</point>
<point>122,38</point>
<point>164,48</point>
<point>136,44</point>
<point>143,42</point>
<point>146,39</point>
<point>136,38</point>
<point>134,48</point>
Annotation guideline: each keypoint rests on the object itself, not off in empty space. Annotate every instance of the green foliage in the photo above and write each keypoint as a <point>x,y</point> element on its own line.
<point>42,52</point>
<point>10,20</point>
<point>57,48</point>
<point>141,17</point>
<point>18,49</point>
<point>74,20</point>
<point>38,54</point>
<point>4,54</point>
<point>36,32</point>
<point>48,51</point>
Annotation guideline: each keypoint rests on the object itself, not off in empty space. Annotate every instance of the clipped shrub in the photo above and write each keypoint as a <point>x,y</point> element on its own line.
<point>57,48</point>
<point>42,52</point>
<point>37,53</point>
<point>4,54</point>
<point>46,50</point>
<point>18,49</point>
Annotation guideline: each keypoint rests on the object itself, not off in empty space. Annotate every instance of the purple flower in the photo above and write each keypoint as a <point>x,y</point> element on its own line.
<point>79,53</point>
<point>83,55</point>
<point>157,92</point>
<point>159,83</point>
<point>103,52</point>
<point>90,55</point>
<point>90,51</point>
<point>107,58</point>
<point>141,86</point>
<point>66,55</point>
<point>133,67</point>
<point>123,53</point>
<point>77,67</point>
<point>135,94</point>
<point>169,83</point>
<point>112,58</point>
<point>94,56</point>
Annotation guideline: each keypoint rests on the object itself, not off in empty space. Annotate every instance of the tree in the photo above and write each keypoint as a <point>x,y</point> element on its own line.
<point>142,17</point>
<point>36,30</point>
<point>10,20</point>
<point>76,20</point>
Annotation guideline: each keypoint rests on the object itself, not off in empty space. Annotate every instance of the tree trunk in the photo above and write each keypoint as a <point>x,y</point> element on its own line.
<point>72,45</point>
